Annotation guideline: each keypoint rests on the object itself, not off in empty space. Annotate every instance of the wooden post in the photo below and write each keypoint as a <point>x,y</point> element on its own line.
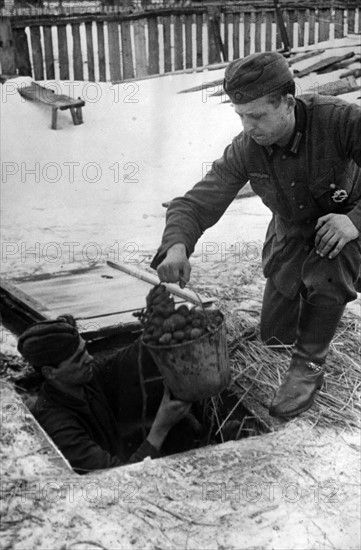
<point>101,51</point>
<point>37,53</point>
<point>153,45</point>
<point>128,66</point>
<point>22,57</point>
<point>167,44</point>
<point>77,54</point>
<point>7,49</point>
<point>90,50</point>
<point>114,51</point>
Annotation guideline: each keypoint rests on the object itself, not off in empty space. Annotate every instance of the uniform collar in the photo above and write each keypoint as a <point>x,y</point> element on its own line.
<point>293,145</point>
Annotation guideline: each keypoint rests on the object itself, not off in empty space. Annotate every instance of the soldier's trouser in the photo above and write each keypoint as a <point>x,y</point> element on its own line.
<point>324,282</point>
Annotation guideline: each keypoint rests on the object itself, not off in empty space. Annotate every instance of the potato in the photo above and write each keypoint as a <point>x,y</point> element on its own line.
<point>178,335</point>
<point>174,322</point>
<point>197,323</point>
<point>166,338</point>
<point>157,333</point>
<point>196,333</point>
<point>156,321</point>
<point>183,310</point>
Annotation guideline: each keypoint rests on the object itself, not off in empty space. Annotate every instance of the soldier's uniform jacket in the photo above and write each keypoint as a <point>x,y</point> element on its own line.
<point>88,431</point>
<point>317,173</point>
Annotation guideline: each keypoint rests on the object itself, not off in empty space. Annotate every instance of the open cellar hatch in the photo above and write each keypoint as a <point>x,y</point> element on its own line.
<point>91,295</point>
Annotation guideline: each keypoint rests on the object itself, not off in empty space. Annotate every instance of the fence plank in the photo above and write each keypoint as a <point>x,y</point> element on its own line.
<point>77,53</point>
<point>153,45</point>
<point>114,51</point>
<point>37,53</point>
<point>101,51</point>
<point>22,57</point>
<point>214,40</point>
<point>301,18</point>
<point>236,19</point>
<point>351,19</point>
<point>339,19</point>
<point>178,43</point>
<point>167,44</point>
<point>199,39</point>
<point>189,41</point>
<point>140,48</point>
<point>311,18</point>
<point>269,17</point>
<point>278,30</point>
<point>258,18</point>
<point>128,66</point>
<point>7,50</point>
<point>228,22</point>
<point>247,33</point>
<point>63,52</point>
<point>324,18</point>
<point>90,50</point>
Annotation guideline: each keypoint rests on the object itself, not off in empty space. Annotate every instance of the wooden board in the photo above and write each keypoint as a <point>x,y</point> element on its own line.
<point>128,66</point>
<point>22,57</point>
<point>153,45</point>
<point>236,19</point>
<point>90,50</point>
<point>114,51</point>
<point>199,40</point>
<point>178,43</point>
<point>77,54</point>
<point>167,44</point>
<point>7,50</point>
<point>102,298</point>
<point>141,65</point>
<point>101,51</point>
<point>247,33</point>
<point>63,53</point>
<point>189,41</point>
<point>37,53</point>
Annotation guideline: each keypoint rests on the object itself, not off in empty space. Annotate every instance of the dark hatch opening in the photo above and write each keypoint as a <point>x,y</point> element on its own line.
<point>201,428</point>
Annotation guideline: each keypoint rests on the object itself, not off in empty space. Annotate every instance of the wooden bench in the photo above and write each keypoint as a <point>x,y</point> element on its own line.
<point>46,96</point>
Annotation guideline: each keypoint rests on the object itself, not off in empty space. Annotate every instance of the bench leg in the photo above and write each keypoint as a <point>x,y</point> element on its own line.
<point>54,118</point>
<point>76,115</point>
<point>80,114</point>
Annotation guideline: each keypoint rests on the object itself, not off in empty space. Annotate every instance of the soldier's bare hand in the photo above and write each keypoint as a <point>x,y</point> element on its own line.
<point>175,268</point>
<point>333,232</point>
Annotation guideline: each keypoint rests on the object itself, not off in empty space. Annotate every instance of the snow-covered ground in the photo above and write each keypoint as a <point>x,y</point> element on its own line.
<point>104,182</point>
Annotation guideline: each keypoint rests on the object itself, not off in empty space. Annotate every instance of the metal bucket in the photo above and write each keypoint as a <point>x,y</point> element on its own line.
<point>196,369</point>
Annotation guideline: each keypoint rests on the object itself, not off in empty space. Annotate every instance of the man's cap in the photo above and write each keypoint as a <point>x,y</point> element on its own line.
<point>255,76</point>
<point>48,342</point>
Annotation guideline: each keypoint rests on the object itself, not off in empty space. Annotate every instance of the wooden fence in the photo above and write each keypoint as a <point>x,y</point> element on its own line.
<point>116,47</point>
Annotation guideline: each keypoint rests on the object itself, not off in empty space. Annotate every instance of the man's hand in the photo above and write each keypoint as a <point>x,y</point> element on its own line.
<point>170,412</point>
<point>333,232</point>
<point>175,267</point>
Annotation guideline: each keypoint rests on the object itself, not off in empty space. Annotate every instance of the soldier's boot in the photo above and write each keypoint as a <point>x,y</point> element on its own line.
<point>316,327</point>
